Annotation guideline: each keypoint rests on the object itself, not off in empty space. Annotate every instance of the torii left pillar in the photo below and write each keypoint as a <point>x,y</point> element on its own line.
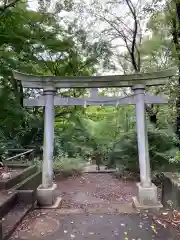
<point>46,191</point>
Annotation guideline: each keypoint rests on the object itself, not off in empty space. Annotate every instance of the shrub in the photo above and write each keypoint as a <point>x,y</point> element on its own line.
<point>161,150</point>
<point>124,154</point>
<point>58,150</point>
<point>38,162</point>
<point>176,159</point>
<point>3,147</point>
<point>68,166</point>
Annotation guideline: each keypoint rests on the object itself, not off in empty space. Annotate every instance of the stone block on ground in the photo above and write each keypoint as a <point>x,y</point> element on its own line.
<point>147,198</point>
<point>46,196</point>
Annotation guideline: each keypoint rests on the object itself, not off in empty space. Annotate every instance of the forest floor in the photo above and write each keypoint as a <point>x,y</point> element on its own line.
<point>94,206</point>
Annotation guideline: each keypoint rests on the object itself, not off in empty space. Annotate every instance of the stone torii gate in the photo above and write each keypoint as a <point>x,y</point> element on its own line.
<point>147,191</point>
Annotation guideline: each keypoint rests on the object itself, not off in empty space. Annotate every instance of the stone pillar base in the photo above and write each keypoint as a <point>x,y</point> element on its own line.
<point>147,198</point>
<point>46,196</point>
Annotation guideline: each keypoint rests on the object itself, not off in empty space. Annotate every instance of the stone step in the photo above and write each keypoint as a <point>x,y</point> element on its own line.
<point>17,201</point>
<point>30,183</point>
<point>19,178</point>
<point>7,201</point>
<point>26,190</point>
<point>101,209</point>
<point>11,220</point>
<point>93,169</point>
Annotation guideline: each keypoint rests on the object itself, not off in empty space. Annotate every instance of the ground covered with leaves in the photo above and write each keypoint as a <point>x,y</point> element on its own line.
<point>52,225</point>
<point>95,206</point>
<point>95,190</point>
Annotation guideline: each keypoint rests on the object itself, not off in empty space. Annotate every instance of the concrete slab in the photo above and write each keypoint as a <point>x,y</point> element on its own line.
<point>153,207</point>
<point>93,169</point>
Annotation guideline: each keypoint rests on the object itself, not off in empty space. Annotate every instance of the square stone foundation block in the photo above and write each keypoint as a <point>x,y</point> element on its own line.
<point>46,196</point>
<point>147,198</point>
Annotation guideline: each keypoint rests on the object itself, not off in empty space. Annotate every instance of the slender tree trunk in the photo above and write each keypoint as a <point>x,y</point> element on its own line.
<point>178,107</point>
<point>176,40</point>
<point>178,54</point>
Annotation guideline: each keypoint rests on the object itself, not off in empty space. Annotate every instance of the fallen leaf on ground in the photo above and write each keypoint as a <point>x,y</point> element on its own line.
<point>159,222</point>
<point>165,213</point>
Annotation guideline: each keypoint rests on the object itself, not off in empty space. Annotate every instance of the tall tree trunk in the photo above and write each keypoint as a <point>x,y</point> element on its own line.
<point>178,54</point>
<point>176,40</point>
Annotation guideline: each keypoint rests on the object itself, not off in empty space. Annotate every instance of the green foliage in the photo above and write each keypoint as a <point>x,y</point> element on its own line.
<point>112,139</point>
<point>36,42</point>
<point>176,159</point>
<point>93,138</point>
<point>162,148</point>
<point>92,134</point>
<point>3,150</point>
<point>68,166</point>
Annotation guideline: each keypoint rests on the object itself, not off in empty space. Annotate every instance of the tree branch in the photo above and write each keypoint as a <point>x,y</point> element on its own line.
<point>6,6</point>
<point>132,53</point>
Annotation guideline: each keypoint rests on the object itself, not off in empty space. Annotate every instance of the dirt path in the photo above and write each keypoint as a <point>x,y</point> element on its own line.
<point>95,190</point>
<point>50,225</point>
<point>89,210</point>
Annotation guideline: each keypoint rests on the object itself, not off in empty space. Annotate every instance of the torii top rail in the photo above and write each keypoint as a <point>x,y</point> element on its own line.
<point>147,79</point>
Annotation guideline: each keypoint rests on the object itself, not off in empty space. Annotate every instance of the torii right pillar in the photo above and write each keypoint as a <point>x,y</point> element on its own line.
<point>147,192</point>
